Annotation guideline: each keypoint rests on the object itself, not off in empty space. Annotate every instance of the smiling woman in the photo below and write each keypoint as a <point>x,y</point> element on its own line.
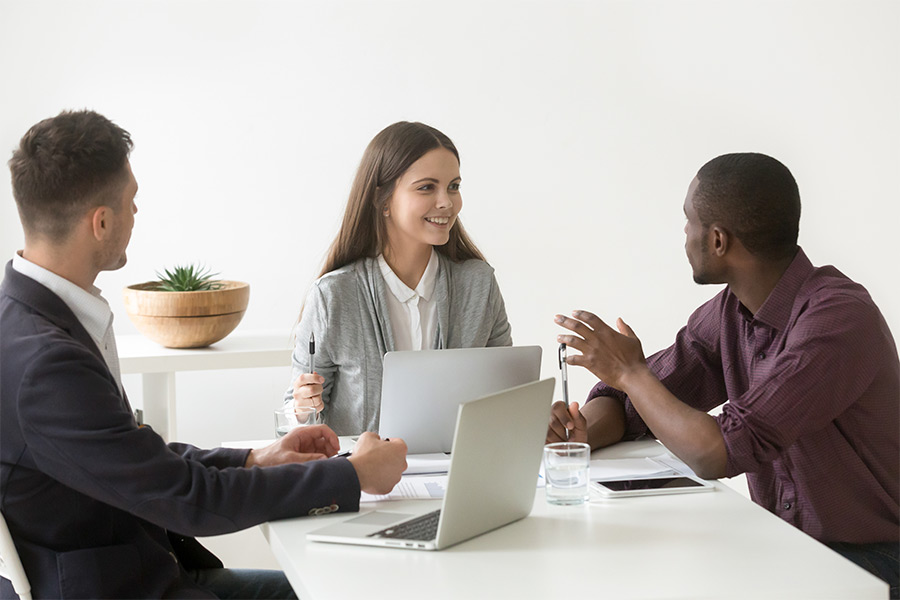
<point>402,274</point>
<point>421,213</point>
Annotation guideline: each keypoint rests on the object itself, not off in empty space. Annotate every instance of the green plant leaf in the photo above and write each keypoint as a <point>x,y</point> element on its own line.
<point>188,278</point>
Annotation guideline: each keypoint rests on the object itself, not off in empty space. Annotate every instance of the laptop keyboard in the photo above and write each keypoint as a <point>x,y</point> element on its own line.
<point>422,528</point>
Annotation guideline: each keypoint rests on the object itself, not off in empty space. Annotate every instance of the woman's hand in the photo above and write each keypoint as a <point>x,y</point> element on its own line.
<point>308,391</point>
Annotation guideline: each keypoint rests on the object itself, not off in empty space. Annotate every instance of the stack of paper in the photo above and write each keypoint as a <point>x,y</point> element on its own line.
<point>662,465</point>
<point>425,478</point>
<point>422,464</point>
<point>419,487</point>
<point>629,468</point>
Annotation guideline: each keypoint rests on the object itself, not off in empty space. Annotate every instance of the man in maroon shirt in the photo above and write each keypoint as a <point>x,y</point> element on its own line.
<point>800,358</point>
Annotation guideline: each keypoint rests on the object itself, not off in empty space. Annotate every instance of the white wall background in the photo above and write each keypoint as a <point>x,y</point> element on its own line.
<point>579,123</point>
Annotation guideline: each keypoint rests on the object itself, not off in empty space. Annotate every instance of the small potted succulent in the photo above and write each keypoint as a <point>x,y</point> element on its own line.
<point>186,307</point>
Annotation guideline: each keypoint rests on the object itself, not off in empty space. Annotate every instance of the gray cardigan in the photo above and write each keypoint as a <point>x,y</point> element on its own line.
<point>348,312</point>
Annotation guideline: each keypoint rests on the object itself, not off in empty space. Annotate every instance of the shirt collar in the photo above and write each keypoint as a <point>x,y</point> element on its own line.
<point>776,310</point>
<point>90,308</point>
<point>403,292</point>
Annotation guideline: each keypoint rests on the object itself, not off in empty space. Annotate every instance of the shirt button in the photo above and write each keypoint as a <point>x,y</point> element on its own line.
<point>786,506</point>
<point>761,355</point>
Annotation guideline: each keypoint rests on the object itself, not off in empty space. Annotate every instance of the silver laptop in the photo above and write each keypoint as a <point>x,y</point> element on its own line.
<point>421,390</point>
<point>491,483</point>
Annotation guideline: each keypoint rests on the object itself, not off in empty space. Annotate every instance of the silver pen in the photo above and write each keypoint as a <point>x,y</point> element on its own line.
<point>565,373</point>
<point>563,367</point>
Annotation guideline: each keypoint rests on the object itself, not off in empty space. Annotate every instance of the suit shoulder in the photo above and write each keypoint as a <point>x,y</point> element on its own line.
<point>29,334</point>
<point>22,322</point>
<point>38,338</point>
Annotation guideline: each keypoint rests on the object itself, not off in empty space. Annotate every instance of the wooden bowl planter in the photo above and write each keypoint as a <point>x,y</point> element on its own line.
<point>186,319</point>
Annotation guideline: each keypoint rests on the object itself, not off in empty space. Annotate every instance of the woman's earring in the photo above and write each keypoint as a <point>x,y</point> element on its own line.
<point>387,213</point>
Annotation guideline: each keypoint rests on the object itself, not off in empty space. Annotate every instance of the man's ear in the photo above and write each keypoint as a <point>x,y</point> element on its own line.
<point>101,222</point>
<point>720,240</point>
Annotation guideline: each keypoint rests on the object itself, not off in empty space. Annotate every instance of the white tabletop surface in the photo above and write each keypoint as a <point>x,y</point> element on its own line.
<point>137,354</point>
<point>705,545</point>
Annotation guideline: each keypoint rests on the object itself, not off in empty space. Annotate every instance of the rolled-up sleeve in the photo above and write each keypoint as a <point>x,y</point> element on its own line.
<point>803,382</point>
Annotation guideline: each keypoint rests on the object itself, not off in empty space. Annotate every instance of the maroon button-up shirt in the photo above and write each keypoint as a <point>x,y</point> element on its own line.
<point>811,393</point>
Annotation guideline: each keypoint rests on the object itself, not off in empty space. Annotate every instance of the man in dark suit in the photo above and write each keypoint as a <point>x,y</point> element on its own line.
<point>98,506</point>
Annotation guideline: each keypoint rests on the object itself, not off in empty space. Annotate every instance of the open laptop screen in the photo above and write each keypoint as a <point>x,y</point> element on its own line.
<point>421,390</point>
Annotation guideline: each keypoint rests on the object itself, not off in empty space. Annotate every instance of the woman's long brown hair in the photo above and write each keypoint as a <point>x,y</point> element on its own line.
<point>363,232</point>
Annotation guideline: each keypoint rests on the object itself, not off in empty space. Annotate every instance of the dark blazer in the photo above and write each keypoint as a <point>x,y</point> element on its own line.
<point>92,500</point>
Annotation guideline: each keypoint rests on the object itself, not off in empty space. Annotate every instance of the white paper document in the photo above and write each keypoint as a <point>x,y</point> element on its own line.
<point>427,487</point>
<point>421,464</point>
<point>675,463</point>
<point>631,468</point>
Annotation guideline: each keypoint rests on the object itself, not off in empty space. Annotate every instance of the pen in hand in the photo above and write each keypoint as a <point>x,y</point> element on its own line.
<point>348,453</point>
<point>564,372</point>
<point>312,365</point>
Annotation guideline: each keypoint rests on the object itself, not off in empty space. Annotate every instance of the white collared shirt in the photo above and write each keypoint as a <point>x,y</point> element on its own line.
<point>413,312</point>
<point>90,308</point>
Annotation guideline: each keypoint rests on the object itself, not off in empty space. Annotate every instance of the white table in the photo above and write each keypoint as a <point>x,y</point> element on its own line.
<point>158,366</point>
<point>707,545</point>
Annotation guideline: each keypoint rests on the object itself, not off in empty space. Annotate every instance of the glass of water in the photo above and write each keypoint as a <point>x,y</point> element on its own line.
<point>288,417</point>
<point>567,468</point>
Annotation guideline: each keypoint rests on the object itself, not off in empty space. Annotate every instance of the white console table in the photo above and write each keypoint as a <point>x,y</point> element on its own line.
<point>157,366</point>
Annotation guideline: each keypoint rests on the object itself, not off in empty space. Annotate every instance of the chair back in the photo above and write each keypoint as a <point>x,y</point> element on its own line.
<point>10,565</point>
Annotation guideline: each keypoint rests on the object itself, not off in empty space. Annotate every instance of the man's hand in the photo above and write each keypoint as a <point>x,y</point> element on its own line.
<point>562,420</point>
<point>617,359</point>
<point>300,444</point>
<point>610,355</point>
<point>308,391</point>
<point>378,463</point>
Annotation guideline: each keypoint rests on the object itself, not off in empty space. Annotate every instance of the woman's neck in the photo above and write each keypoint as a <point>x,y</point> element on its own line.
<point>409,264</point>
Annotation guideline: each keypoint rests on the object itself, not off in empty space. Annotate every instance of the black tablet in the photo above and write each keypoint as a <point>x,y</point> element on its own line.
<point>675,484</point>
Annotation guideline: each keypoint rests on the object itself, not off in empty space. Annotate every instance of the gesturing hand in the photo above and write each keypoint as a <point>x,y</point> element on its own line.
<point>608,354</point>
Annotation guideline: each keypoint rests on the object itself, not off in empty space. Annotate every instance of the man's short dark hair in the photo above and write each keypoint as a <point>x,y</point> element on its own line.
<point>65,166</point>
<point>754,197</point>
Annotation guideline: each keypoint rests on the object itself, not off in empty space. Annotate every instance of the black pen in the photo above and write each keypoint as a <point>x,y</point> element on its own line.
<point>349,452</point>
<point>312,352</point>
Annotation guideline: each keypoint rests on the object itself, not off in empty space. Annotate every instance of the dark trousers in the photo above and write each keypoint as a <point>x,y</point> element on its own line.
<point>244,583</point>
<point>881,560</point>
